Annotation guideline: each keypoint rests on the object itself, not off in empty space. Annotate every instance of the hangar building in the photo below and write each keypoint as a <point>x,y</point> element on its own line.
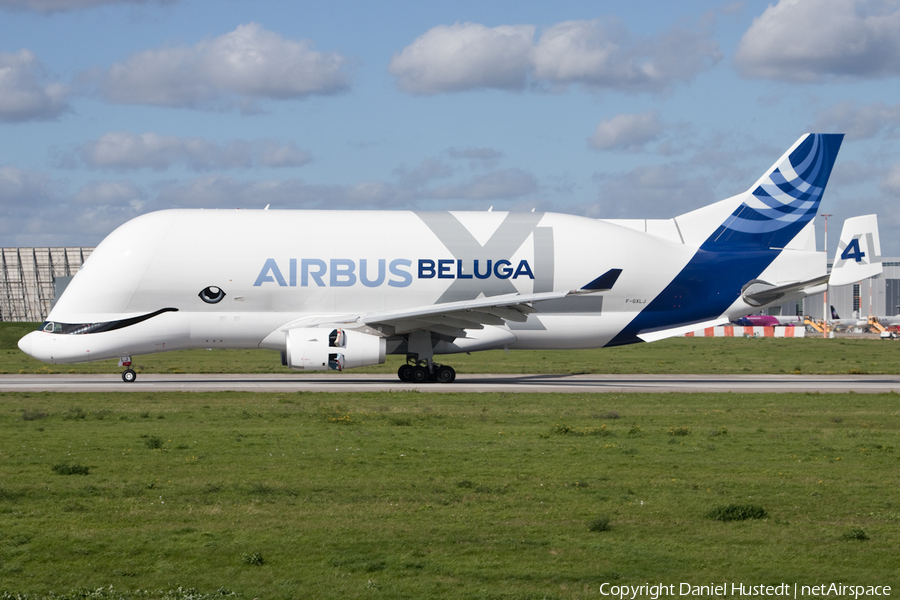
<point>31,279</point>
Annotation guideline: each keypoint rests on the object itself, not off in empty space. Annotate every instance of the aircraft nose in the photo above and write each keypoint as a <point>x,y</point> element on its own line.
<point>26,342</point>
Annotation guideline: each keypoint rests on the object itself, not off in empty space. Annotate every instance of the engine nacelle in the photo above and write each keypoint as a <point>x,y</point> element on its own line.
<point>320,349</point>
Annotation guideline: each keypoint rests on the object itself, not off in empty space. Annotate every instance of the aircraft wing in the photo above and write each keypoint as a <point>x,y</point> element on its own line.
<point>454,318</point>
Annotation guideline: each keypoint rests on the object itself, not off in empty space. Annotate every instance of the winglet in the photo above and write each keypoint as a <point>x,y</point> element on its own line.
<point>603,283</point>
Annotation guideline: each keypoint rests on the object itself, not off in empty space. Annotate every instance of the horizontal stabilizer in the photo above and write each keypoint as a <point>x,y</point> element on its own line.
<point>661,334</point>
<point>858,254</point>
<point>759,293</point>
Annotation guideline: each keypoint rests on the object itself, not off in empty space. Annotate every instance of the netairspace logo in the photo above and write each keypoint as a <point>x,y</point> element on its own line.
<point>346,272</point>
<point>736,590</point>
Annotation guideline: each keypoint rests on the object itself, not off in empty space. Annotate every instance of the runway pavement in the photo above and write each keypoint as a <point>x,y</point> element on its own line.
<point>464,383</point>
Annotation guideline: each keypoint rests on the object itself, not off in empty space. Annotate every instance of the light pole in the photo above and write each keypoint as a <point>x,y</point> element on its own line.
<point>825,295</point>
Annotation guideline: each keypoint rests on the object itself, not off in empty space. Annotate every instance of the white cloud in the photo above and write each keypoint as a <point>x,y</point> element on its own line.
<point>275,155</point>
<point>481,154</point>
<point>39,210</point>
<point>504,184</point>
<point>478,157</point>
<point>465,56</point>
<point>891,183</point>
<point>859,122</point>
<point>110,193</point>
<point>25,94</point>
<point>36,212</point>
<point>428,170</point>
<point>54,6</point>
<point>603,54</point>
<point>224,192</point>
<point>123,150</point>
<point>627,131</point>
<point>649,192</point>
<point>23,189</point>
<point>238,68</point>
<point>596,54</point>
<point>815,40</point>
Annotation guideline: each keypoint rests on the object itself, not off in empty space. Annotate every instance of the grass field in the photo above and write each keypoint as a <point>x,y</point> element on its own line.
<point>443,495</point>
<point>812,355</point>
<point>411,495</point>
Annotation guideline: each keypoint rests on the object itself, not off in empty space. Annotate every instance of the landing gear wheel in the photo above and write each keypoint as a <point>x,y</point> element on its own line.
<point>405,372</point>
<point>129,376</point>
<point>445,374</point>
<point>419,375</point>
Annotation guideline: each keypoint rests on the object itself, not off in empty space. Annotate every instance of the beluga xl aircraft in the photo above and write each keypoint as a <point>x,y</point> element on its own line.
<point>342,289</point>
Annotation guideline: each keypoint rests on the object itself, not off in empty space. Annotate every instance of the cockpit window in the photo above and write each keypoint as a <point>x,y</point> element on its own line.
<point>67,328</point>
<point>82,328</point>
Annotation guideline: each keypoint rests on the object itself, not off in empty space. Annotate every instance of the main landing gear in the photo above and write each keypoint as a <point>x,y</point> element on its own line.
<point>419,367</point>
<point>425,371</point>
<point>128,376</point>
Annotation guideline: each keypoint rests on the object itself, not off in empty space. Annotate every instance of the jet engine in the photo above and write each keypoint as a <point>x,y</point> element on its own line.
<point>320,349</point>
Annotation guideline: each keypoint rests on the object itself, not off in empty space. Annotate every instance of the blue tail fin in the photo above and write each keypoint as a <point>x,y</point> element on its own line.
<point>785,199</point>
<point>756,227</point>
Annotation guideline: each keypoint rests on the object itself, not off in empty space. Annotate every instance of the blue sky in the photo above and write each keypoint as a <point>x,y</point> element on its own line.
<point>113,108</point>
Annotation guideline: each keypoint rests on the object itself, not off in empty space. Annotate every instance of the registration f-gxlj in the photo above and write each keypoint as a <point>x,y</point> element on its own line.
<point>341,289</point>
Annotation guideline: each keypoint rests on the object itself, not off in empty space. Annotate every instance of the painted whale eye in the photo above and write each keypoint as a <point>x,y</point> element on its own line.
<point>211,294</point>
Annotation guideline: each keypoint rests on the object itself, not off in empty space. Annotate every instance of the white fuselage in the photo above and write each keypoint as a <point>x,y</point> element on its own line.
<point>180,279</point>
<point>276,267</point>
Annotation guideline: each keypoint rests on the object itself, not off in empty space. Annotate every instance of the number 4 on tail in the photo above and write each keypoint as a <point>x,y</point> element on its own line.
<point>852,251</point>
<point>858,254</point>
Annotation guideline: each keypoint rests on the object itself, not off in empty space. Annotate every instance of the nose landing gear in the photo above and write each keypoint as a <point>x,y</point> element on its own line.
<point>129,375</point>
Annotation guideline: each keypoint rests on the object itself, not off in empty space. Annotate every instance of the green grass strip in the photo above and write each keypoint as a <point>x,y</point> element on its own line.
<point>441,495</point>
